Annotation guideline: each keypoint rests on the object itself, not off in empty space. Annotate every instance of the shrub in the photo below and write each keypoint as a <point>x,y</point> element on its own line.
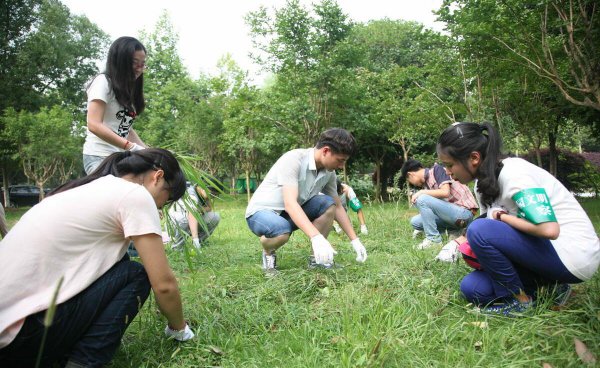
<point>363,186</point>
<point>573,170</point>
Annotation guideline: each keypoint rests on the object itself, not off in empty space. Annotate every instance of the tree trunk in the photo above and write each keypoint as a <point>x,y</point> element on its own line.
<point>538,156</point>
<point>552,154</point>
<point>378,181</point>
<point>40,185</point>
<point>248,184</point>
<point>232,190</point>
<point>5,186</point>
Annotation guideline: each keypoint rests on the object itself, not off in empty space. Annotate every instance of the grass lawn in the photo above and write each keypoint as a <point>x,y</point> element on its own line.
<point>399,309</point>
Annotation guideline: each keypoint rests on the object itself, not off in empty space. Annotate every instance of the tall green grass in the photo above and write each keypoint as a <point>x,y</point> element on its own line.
<point>399,309</point>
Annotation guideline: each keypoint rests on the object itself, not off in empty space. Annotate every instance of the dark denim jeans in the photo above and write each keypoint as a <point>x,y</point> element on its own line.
<point>512,261</point>
<point>88,327</point>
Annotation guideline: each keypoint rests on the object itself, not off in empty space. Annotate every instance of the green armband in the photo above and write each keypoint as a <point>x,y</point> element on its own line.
<point>355,204</point>
<point>534,205</point>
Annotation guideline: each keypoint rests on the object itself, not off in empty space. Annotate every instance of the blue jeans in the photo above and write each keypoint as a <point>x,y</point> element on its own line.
<point>512,261</point>
<point>437,215</point>
<point>90,163</point>
<point>270,224</point>
<point>87,328</point>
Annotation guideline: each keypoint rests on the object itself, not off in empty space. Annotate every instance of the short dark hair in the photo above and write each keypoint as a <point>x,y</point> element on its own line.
<point>410,165</point>
<point>339,140</point>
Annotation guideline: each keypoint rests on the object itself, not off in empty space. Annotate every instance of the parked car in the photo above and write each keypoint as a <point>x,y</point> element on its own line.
<point>23,195</point>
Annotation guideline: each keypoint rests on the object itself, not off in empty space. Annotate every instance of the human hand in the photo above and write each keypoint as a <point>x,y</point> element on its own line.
<point>493,211</point>
<point>322,250</point>
<point>413,198</point>
<point>359,248</point>
<point>135,147</point>
<point>180,335</point>
<point>364,230</point>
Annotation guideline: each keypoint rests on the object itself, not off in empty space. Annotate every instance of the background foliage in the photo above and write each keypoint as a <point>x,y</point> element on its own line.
<point>530,70</point>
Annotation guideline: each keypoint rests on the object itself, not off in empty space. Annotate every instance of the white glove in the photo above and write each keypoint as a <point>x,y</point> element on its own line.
<point>491,210</point>
<point>359,248</point>
<point>196,243</point>
<point>180,335</point>
<point>364,230</point>
<point>135,147</point>
<point>322,250</point>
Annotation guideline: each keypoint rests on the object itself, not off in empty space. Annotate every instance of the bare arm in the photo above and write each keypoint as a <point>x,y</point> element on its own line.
<point>95,123</point>
<point>361,217</point>
<point>441,193</point>
<point>135,138</point>
<point>546,230</point>
<point>193,225</point>
<point>290,200</point>
<point>162,279</point>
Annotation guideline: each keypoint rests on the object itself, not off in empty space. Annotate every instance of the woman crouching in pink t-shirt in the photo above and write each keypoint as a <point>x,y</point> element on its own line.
<point>74,244</point>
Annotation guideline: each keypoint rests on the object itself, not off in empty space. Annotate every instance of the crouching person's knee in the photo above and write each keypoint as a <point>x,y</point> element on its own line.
<point>477,288</point>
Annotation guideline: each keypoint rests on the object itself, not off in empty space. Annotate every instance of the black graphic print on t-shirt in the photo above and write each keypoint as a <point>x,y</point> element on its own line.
<point>126,119</point>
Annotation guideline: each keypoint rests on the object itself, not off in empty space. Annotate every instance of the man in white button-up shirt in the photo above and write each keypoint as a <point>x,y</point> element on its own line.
<point>289,198</point>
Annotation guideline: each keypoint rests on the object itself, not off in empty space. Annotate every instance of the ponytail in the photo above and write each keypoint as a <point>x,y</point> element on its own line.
<point>460,139</point>
<point>123,163</point>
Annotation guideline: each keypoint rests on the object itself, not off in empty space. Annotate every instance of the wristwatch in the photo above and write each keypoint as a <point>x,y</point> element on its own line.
<point>498,214</point>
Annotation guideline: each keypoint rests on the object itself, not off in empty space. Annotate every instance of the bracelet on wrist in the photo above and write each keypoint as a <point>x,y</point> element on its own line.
<point>498,215</point>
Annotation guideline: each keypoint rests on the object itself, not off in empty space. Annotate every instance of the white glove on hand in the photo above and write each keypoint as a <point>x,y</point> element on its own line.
<point>181,335</point>
<point>364,230</point>
<point>491,210</point>
<point>135,147</point>
<point>359,248</point>
<point>322,250</point>
<point>196,243</point>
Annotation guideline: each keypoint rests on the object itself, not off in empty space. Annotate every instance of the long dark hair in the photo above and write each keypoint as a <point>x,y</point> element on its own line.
<point>460,139</point>
<point>128,90</point>
<point>122,163</point>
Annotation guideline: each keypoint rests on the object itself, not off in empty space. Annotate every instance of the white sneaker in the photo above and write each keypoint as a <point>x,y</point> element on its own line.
<point>416,233</point>
<point>426,243</point>
<point>269,262</point>
<point>449,252</point>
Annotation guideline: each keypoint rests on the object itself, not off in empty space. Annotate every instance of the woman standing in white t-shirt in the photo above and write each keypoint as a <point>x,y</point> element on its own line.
<point>115,98</point>
<point>74,243</point>
<point>535,232</point>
